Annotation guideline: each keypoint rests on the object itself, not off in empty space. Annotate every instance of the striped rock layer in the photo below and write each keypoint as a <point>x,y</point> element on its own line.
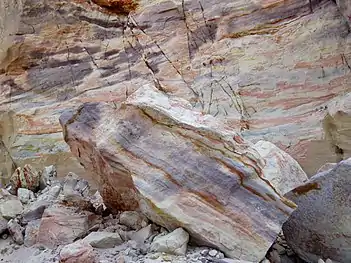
<point>267,67</point>
<point>182,169</point>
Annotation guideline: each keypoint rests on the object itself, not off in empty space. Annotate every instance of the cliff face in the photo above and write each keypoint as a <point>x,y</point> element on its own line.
<point>268,68</point>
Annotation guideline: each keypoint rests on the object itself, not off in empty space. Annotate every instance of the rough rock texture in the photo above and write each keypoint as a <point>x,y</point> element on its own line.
<point>281,170</point>
<point>10,208</point>
<point>175,242</point>
<point>3,225</point>
<point>248,62</point>
<point>133,219</point>
<point>16,231</point>
<point>337,125</point>
<point>321,225</point>
<point>103,239</point>
<point>78,252</point>
<point>136,152</point>
<point>345,8</point>
<point>31,233</point>
<point>62,225</point>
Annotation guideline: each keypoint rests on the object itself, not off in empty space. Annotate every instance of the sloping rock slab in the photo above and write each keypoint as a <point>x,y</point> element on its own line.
<point>181,168</point>
<point>321,225</point>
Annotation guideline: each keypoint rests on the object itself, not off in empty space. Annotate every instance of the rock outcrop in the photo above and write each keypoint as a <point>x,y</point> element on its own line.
<point>181,168</point>
<point>345,8</point>
<point>320,226</point>
<point>248,62</point>
<point>337,126</point>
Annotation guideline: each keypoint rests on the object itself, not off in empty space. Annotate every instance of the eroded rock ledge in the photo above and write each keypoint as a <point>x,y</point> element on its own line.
<point>181,168</point>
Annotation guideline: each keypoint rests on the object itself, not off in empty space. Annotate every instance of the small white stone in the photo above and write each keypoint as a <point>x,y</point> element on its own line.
<point>220,255</point>
<point>204,252</point>
<point>213,252</point>
<point>321,261</point>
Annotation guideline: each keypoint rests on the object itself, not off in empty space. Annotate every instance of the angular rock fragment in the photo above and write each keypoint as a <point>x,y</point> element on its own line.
<point>175,242</point>
<point>36,209</point>
<point>49,173</point>
<point>16,231</point>
<point>11,208</point>
<point>133,219</point>
<point>31,233</point>
<point>103,239</point>
<point>3,225</point>
<point>320,226</point>
<point>181,168</point>
<point>78,252</point>
<point>25,195</point>
<point>26,177</point>
<point>63,225</point>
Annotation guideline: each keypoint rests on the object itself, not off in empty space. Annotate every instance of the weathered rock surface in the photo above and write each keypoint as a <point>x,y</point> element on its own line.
<point>16,231</point>
<point>345,8</point>
<point>78,252</point>
<point>103,239</point>
<point>175,242</point>
<point>136,152</point>
<point>49,174</point>
<point>337,125</point>
<point>25,177</point>
<point>25,195</point>
<point>36,209</point>
<point>281,170</point>
<point>3,225</point>
<point>10,208</point>
<point>62,225</point>
<point>321,225</point>
<point>31,233</point>
<point>247,62</point>
<point>133,219</point>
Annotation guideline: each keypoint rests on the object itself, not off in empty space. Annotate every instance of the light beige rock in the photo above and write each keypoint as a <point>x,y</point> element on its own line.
<point>337,125</point>
<point>10,208</point>
<point>136,154</point>
<point>175,242</point>
<point>321,225</point>
<point>281,170</point>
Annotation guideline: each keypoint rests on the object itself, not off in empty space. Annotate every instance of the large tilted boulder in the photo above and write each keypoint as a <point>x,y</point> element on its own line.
<point>182,169</point>
<point>321,225</point>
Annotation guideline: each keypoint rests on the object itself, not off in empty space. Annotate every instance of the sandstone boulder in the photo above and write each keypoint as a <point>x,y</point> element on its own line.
<point>321,225</point>
<point>181,168</point>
